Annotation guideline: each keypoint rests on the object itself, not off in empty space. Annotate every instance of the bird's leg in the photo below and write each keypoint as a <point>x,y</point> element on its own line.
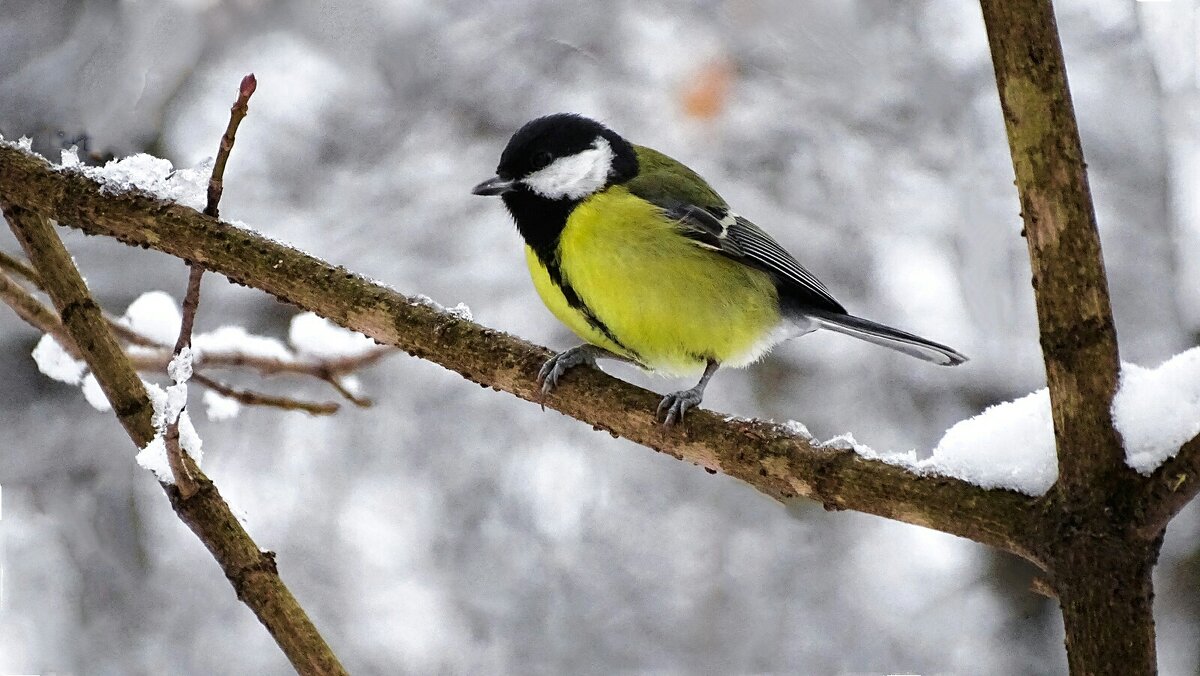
<point>675,404</point>
<point>558,365</point>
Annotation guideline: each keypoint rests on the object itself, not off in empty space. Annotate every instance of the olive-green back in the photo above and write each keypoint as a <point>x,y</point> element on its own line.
<point>662,180</point>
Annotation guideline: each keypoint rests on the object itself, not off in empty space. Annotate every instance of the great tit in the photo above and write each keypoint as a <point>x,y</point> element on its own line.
<point>645,262</point>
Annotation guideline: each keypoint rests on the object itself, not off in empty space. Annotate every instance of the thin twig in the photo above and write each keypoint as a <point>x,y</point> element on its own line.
<point>191,303</point>
<point>34,312</point>
<point>327,371</point>
<point>216,185</point>
<point>134,338</point>
<point>13,264</point>
<point>191,299</point>
<point>251,398</point>
<point>337,384</point>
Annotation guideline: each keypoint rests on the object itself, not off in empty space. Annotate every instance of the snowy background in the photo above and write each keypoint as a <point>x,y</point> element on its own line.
<point>456,530</point>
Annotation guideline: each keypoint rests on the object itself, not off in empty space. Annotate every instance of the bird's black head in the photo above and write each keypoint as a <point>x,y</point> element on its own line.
<point>550,165</point>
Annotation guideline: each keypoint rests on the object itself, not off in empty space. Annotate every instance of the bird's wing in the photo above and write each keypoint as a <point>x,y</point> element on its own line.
<point>703,217</point>
<point>734,236</point>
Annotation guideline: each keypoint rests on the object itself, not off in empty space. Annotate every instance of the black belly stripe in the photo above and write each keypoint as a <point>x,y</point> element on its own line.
<point>576,302</point>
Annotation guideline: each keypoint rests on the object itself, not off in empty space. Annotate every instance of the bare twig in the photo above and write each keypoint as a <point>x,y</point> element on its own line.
<point>259,399</point>
<point>134,338</point>
<point>325,370</point>
<point>12,264</point>
<point>337,384</point>
<point>237,113</point>
<point>191,299</point>
<point>34,312</point>
<point>191,303</point>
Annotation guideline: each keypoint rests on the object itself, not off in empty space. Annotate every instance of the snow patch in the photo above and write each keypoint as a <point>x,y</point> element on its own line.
<point>180,368</point>
<point>153,455</point>
<point>220,407</point>
<point>70,157</point>
<point>54,362</point>
<point>1011,445</point>
<point>169,407</point>
<point>1158,410</point>
<point>461,311</point>
<point>155,176</point>
<point>236,340</point>
<point>154,315</point>
<point>351,383</point>
<point>154,458</point>
<point>189,440</point>
<point>794,428</point>
<point>317,337</point>
<point>94,395</point>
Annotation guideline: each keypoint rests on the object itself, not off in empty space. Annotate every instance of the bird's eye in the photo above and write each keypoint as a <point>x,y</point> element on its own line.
<point>542,159</point>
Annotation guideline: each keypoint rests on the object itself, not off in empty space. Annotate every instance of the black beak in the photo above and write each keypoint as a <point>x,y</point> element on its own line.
<point>494,186</point>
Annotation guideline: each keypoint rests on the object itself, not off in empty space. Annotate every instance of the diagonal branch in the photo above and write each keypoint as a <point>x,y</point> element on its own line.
<point>84,321</point>
<point>16,266</point>
<point>250,398</point>
<point>1169,489</point>
<point>761,454</point>
<point>1079,343</point>
<point>252,571</point>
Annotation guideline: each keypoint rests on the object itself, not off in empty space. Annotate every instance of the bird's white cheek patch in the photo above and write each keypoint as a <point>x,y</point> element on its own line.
<point>575,176</point>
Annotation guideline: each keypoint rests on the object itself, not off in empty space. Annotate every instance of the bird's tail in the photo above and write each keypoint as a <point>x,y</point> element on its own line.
<point>901,341</point>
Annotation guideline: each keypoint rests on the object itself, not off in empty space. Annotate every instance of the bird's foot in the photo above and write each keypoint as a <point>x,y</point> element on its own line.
<point>558,365</point>
<point>674,405</point>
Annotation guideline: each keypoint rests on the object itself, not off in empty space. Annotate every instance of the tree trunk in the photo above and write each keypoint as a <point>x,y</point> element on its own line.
<point>1105,593</point>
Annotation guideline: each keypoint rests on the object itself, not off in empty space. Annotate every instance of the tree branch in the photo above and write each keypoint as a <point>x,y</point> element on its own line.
<point>251,398</point>
<point>252,571</point>
<point>34,313</point>
<point>1169,489</point>
<point>1079,343</point>
<point>1099,558</point>
<point>761,454</point>
<point>13,265</point>
<point>84,321</point>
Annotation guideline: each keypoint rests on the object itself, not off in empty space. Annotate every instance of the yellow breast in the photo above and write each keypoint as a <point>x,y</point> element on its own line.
<point>668,303</point>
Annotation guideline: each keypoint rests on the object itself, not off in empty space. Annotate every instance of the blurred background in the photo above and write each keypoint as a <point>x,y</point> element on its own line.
<point>450,529</point>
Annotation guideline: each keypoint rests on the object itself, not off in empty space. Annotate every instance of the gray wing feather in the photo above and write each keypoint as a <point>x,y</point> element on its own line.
<point>732,235</point>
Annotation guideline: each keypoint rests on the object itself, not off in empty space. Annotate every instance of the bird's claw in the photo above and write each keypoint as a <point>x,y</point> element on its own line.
<point>558,365</point>
<point>674,405</point>
<point>549,374</point>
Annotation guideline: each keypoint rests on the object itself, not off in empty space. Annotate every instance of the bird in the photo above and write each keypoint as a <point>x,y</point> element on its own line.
<point>645,262</point>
